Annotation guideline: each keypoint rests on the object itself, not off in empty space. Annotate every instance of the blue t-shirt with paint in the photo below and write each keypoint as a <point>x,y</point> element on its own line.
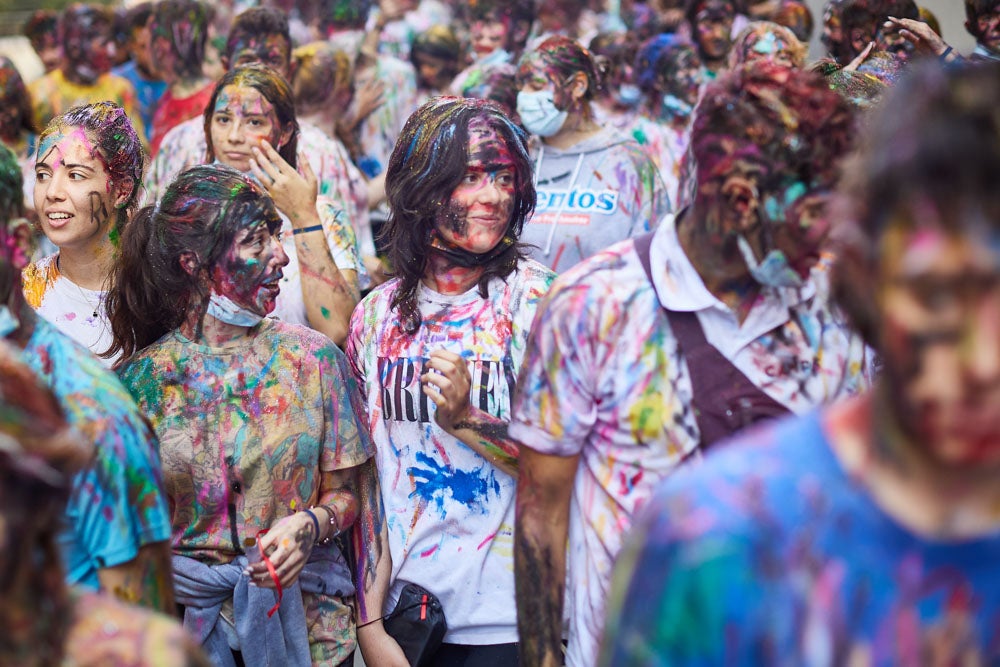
<point>117,503</point>
<point>769,554</point>
<point>147,92</point>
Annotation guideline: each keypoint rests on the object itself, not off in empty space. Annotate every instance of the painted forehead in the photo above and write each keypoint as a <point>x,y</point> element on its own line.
<point>243,100</point>
<point>62,139</point>
<point>487,147</point>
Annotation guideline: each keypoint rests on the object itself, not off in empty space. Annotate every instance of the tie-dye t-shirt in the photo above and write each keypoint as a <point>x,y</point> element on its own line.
<point>118,504</point>
<point>590,196</point>
<point>245,432</point>
<point>602,380</point>
<point>769,554</point>
<point>450,513</point>
<point>68,306</point>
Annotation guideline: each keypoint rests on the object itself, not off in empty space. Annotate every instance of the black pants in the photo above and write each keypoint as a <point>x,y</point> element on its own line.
<point>468,655</point>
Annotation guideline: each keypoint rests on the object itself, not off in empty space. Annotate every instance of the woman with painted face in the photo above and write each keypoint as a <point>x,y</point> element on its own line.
<point>87,173</point>
<point>263,455</point>
<point>436,352</point>
<point>250,125</point>
<point>595,185</point>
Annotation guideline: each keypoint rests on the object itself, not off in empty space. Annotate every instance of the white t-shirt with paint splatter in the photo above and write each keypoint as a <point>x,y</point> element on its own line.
<point>73,310</point>
<point>450,513</point>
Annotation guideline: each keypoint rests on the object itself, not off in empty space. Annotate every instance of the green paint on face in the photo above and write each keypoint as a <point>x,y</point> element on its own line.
<point>325,312</point>
<point>114,236</point>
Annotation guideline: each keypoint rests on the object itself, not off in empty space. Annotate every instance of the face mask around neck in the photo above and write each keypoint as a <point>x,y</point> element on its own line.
<point>226,310</point>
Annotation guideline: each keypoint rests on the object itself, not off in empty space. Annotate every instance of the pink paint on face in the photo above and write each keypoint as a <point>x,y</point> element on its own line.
<point>242,118</point>
<point>487,37</point>
<point>73,192</point>
<point>479,211</point>
<point>250,274</point>
<point>941,315</point>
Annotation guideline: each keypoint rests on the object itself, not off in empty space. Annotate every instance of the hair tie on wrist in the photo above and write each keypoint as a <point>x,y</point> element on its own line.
<point>944,54</point>
<point>315,524</point>
<point>306,230</point>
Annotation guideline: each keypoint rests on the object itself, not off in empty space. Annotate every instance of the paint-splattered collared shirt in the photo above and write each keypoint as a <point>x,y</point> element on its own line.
<point>450,513</point>
<point>603,380</point>
<point>244,434</point>
<point>770,554</point>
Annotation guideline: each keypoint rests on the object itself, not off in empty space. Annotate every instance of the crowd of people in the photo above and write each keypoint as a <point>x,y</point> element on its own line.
<point>475,334</point>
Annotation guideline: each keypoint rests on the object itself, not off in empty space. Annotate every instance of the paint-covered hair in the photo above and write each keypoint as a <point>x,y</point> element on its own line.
<point>658,58</point>
<point>438,41</point>
<point>39,453</point>
<point>516,15</point>
<point>118,148</point>
<point>786,118</point>
<point>200,213</point>
<point>930,159</point>
<point>426,165</point>
<point>41,26</point>
<point>797,17</point>
<point>16,96</point>
<point>80,17</point>
<point>342,14</point>
<point>184,24</point>
<point>273,88</point>
<point>757,31</point>
<point>256,22</point>
<point>564,57</point>
<point>692,7</point>
<point>320,69</point>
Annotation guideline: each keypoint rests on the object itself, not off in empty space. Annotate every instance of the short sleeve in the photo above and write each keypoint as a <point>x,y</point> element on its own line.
<point>553,409</point>
<point>347,442</point>
<point>118,504</point>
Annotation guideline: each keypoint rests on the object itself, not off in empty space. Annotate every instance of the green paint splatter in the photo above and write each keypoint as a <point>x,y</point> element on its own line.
<point>325,312</point>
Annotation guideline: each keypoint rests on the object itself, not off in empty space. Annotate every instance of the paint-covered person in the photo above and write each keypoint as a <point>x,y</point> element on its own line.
<point>711,23</point>
<point>83,76</point>
<point>18,131</point>
<point>251,126</point>
<point>862,532</point>
<point>764,40</point>
<point>88,168</point>
<point>257,421</point>
<point>47,623</point>
<point>498,31</point>
<point>668,73</point>
<point>436,55</point>
<point>261,35</point>
<point>139,70</point>
<point>436,352</point>
<point>178,31</point>
<point>42,29</point>
<point>618,98</point>
<point>114,535</point>
<point>632,370</point>
<point>982,22</point>
<point>595,185</point>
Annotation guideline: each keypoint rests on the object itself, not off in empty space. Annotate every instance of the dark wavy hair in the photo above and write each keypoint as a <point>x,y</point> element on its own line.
<point>118,148</point>
<point>426,165</point>
<point>200,213</point>
<point>273,87</point>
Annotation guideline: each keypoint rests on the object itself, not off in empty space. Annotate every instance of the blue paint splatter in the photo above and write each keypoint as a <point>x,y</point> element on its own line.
<point>435,482</point>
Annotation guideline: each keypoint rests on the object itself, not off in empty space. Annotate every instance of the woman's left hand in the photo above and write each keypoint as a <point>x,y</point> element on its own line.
<point>288,543</point>
<point>447,382</point>
<point>293,194</point>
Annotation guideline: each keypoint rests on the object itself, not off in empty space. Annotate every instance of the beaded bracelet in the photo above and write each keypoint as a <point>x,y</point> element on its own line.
<point>306,230</point>
<point>312,516</point>
<point>334,524</point>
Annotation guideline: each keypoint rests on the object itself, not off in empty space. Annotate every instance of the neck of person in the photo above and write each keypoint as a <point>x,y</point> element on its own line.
<point>579,125</point>
<point>714,65</point>
<point>186,86</point>
<point>721,269</point>
<point>444,277</point>
<point>928,497</point>
<point>71,75</point>
<point>87,266</point>
<point>204,329</point>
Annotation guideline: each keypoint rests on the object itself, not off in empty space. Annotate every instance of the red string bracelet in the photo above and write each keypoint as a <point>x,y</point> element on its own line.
<point>272,572</point>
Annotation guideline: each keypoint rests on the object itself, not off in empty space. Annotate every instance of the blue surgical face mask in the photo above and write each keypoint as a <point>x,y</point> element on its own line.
<point>772,271</point>
<point>629,94</point>
<point>226,310</point>
<point>676,106</point>
<point>539,114</point>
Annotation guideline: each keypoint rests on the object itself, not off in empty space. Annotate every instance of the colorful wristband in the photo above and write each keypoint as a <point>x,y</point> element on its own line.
<point>312,516</point>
